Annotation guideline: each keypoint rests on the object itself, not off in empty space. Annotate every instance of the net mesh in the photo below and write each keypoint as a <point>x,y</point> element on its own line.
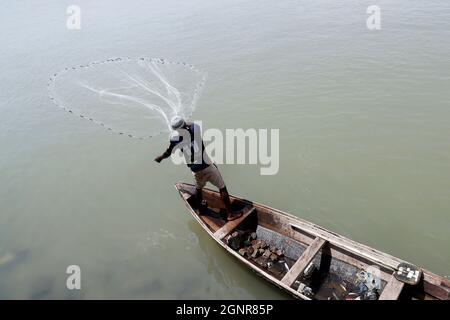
<point>133,97</point>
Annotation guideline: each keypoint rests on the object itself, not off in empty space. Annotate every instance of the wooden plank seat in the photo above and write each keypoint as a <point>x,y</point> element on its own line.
<point>302,262</point>
<point>392,289</point>
<point>231,225</point>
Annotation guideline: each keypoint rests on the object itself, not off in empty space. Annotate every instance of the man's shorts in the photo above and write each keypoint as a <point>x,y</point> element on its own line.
<point>210,174</point>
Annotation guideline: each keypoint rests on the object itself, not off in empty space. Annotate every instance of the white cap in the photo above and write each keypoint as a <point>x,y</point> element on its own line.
<point>177,122</point>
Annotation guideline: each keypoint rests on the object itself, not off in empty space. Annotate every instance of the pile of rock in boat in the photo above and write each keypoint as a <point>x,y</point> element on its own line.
<point>252,248</point>
<point>365,286</point>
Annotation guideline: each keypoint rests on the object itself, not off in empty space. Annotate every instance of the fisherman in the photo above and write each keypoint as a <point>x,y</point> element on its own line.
<point>187,137</point>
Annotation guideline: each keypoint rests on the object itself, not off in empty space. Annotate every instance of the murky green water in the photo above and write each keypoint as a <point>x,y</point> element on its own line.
<point>364,119</point>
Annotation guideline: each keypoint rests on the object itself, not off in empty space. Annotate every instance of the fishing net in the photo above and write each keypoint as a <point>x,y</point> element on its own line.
<point>133,97</point>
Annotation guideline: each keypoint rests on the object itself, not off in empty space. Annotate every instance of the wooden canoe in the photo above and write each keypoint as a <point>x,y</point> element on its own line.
<point>337,262</point>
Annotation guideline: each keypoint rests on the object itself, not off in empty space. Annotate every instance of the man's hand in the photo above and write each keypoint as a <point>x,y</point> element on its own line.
<point>159,159</point>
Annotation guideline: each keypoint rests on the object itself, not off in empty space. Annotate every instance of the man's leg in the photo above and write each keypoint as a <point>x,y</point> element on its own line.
<point>199,184</point>
<point>226,200</point>
<point>198,195</point>
<point>213,175</point>
<point>199,199</point>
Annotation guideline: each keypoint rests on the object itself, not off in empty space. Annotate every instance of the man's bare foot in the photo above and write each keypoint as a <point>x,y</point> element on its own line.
<point>234,215</point>
<point>203,208</point>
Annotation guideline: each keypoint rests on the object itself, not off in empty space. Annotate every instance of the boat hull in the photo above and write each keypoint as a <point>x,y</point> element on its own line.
<point>344,257</point>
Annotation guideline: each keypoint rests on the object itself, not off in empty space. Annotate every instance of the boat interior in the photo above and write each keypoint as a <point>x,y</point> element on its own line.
<point>337,269</point>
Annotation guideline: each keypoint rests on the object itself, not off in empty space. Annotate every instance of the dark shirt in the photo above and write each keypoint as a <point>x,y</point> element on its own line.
<point>195,156</point>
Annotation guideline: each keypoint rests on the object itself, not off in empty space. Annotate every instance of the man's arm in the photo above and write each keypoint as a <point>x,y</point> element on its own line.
<point>166,153</point>
<point>174,140</point>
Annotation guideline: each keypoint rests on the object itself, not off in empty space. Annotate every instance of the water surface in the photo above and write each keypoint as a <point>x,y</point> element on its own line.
<point>364,119</point>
